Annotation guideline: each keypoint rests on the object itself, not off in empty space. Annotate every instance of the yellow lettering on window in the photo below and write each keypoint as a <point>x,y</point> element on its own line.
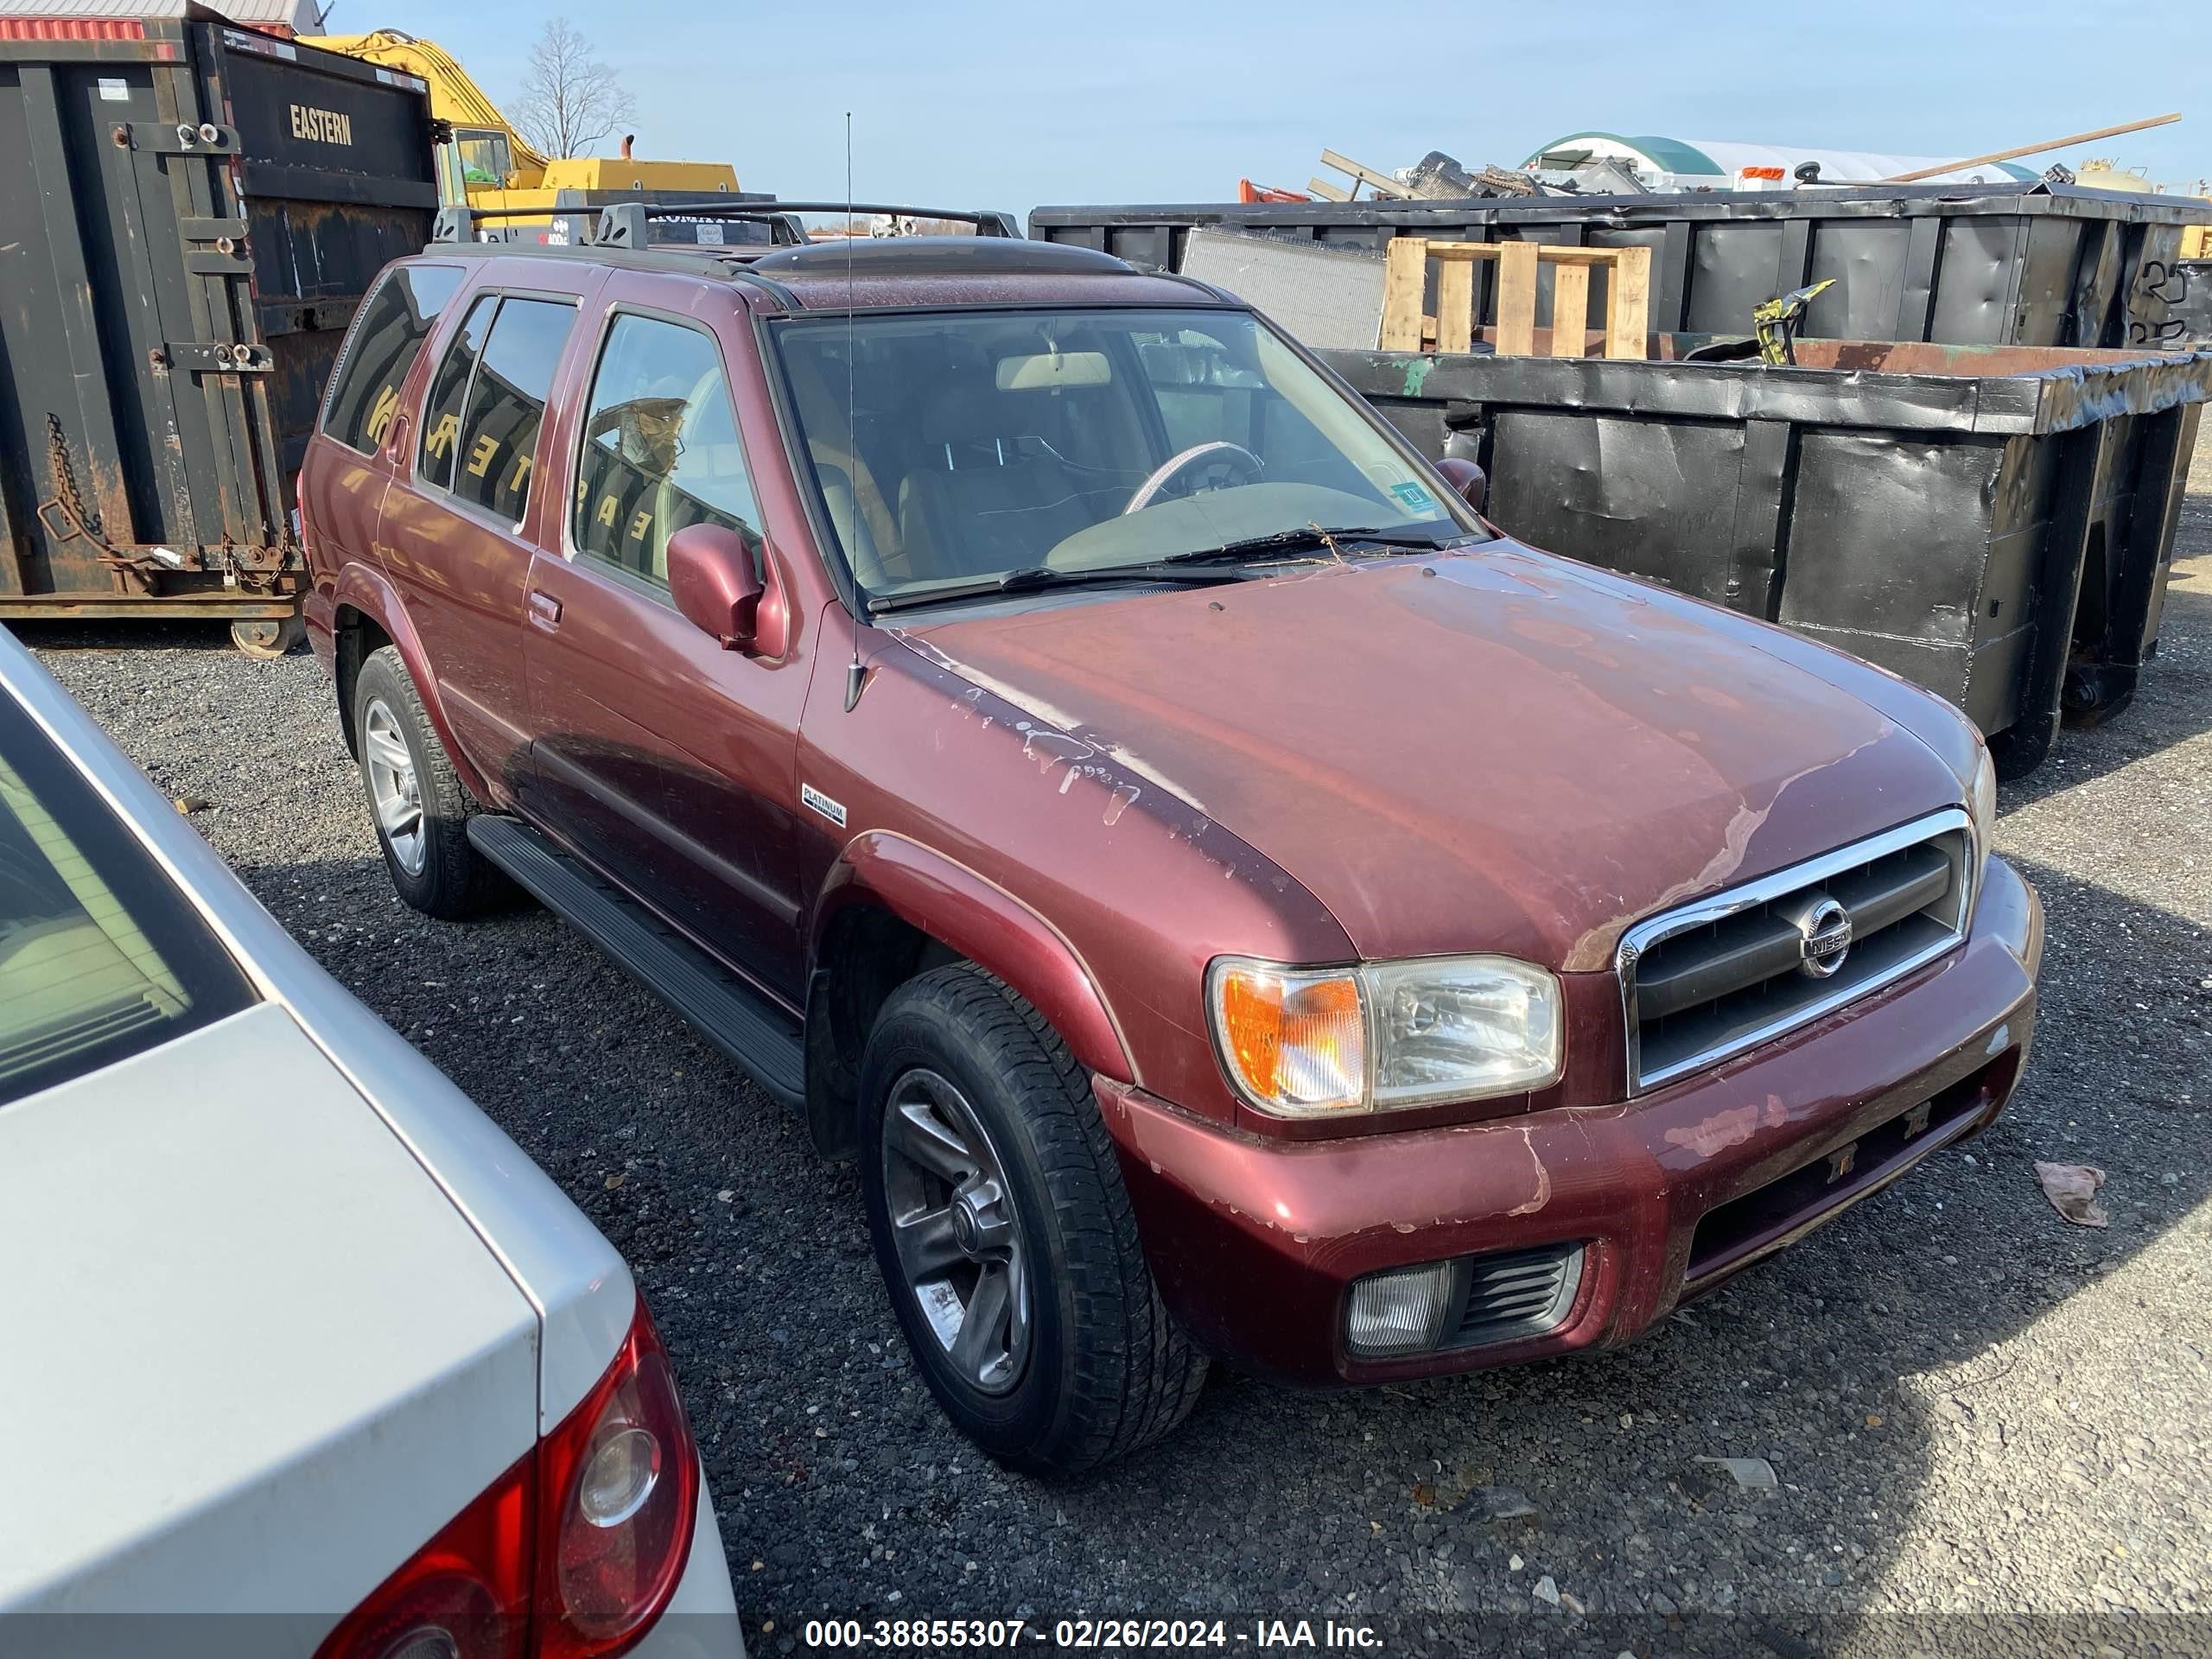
<point>480,454</point>
<point>516,473</point>
<point>381,411</point>
<point>640,524</point>
<point>440,437</point>
<point>606,510</point>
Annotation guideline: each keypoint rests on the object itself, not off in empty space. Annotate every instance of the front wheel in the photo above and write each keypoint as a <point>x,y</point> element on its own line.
<point>1005,1236</point>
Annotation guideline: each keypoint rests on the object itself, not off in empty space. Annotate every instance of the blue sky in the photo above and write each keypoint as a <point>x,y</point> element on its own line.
<point>1015,104</point>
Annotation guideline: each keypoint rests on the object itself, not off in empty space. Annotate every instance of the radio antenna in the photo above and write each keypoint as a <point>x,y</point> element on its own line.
<point>856,672</point>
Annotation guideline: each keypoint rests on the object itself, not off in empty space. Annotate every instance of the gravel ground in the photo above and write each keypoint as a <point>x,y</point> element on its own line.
<point>1989,1426</point>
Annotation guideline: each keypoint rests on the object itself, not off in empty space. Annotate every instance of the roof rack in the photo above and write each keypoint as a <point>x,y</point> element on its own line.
<point>988,221</point>
<point>628,223</point>
<point>623,223</point>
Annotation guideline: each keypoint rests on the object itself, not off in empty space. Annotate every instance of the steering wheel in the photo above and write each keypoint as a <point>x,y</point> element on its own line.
<point>1226,454</point>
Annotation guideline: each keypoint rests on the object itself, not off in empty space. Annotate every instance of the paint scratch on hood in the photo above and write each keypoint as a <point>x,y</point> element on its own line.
<point>1036,707</point>
<point>1594,950</point>
<point>1043,712</point>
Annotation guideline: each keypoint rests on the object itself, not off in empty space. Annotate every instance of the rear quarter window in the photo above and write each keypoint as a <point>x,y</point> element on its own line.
<point>100,956</point>
<point>394,322</point>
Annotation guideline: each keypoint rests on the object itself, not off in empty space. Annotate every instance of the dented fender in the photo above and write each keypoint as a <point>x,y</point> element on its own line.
<point>991,927</point>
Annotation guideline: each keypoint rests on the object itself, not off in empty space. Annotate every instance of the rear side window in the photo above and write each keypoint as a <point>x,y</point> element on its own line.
<point>496,450</point>
<point>660,447</point>
<point>448,389</point>
<point>101,958</point>
<point>395,321</point>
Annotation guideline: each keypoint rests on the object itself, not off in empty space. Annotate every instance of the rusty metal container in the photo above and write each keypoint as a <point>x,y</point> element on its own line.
<point>1995,522</point>
<point>1985,264</point>
<point>189,215</point>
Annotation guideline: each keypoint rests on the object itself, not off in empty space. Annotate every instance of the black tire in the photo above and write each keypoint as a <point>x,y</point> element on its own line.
<point>454,881</point>
<point>2025,744</point>
<point>1107,1369</point>
<point>267,639</point>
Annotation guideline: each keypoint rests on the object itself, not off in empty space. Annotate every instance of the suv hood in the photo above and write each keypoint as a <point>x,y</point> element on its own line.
<point>1488,750</point>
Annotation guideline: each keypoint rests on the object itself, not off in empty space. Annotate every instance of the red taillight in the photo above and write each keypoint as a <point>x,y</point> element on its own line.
<point>464,1595</point>
<point>570,1554</point>
<point>620,1495</point>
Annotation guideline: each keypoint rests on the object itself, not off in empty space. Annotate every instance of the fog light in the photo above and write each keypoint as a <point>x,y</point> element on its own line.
<point>1401,1312</point>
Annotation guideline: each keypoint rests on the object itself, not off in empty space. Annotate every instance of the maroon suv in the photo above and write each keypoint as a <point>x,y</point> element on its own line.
<point>1231,899</point>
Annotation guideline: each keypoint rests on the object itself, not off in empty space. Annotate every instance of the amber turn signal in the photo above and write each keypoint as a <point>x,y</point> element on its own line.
<point>1296,1042</point>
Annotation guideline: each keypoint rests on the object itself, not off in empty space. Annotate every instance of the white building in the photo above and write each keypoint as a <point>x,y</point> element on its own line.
<point>81,18</point>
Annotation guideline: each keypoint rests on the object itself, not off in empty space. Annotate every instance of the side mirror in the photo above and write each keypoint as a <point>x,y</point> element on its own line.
<point>1467,478</point>
<point>714,576</point>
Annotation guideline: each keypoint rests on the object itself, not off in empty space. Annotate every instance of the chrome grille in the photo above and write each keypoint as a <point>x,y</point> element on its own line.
<point>1735,970</point>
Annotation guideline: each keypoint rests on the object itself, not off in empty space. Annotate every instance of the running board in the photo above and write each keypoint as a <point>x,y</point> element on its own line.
<point>730,1014</point>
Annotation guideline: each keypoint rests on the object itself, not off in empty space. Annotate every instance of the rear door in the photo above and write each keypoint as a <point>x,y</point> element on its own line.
<point>462,514</point>
<point>342,483</point>
<point>665,758</point>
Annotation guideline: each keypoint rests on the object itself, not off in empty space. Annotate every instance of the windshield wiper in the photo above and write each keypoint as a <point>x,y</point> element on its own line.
<point>1314,536</point>
<point>1032,577</point>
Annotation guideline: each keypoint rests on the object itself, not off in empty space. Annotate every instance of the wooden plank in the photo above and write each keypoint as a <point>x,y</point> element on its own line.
<point>1381,183</point>
<point>1455,305</point>
<point>1516,299</point>
<point>1570,308</point>
<point>1326,191</point>
<point>1628,304</point>
<point>1551,253</point>
<point>1466,253</point>
<point>1405,274</point>
<point>1559,254</point>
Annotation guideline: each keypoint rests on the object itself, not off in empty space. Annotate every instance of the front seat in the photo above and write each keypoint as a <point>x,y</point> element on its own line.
<point>982,500</point>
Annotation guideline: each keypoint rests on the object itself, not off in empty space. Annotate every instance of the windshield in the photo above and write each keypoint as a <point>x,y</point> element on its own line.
<point>972,445</point>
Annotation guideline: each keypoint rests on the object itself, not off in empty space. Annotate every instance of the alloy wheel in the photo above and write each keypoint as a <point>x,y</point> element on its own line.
<point>395,790</point>
<point>960,1247</point>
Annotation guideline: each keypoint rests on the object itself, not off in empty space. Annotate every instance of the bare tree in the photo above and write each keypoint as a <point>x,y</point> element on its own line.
<point>570,99</point>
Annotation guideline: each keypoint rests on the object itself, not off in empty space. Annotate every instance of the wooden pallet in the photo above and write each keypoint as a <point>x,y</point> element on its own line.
<point>1628,296</point>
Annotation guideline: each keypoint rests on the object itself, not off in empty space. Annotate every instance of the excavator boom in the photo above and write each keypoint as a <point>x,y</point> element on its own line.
<point>491,166</point>
<point>454,95</point>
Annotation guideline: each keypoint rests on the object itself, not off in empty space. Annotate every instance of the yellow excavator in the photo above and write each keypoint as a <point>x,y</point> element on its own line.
<point>491,165</point>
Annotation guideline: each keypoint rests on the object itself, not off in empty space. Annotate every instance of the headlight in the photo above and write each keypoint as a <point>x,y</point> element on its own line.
<point>1984,807</point>
<point>1301,1042</point>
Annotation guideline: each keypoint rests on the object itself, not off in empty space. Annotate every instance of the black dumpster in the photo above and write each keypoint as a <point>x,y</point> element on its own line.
<point>1996,265</point>
<point>1994,522</point>
<point>187,220</point>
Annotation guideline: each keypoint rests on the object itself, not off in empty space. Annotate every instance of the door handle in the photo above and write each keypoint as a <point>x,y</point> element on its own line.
<point>544,611</point>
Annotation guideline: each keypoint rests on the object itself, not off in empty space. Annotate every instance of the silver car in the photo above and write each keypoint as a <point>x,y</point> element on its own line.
<point>299,1353</point>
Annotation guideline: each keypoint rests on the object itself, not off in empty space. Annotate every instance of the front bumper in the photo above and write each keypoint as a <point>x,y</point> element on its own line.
<point>1256,1242</point>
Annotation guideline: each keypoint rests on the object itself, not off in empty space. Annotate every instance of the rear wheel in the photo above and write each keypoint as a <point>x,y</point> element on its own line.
<point>1005,1234</point>
<point>417,801</point>
<point>266,637</point>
